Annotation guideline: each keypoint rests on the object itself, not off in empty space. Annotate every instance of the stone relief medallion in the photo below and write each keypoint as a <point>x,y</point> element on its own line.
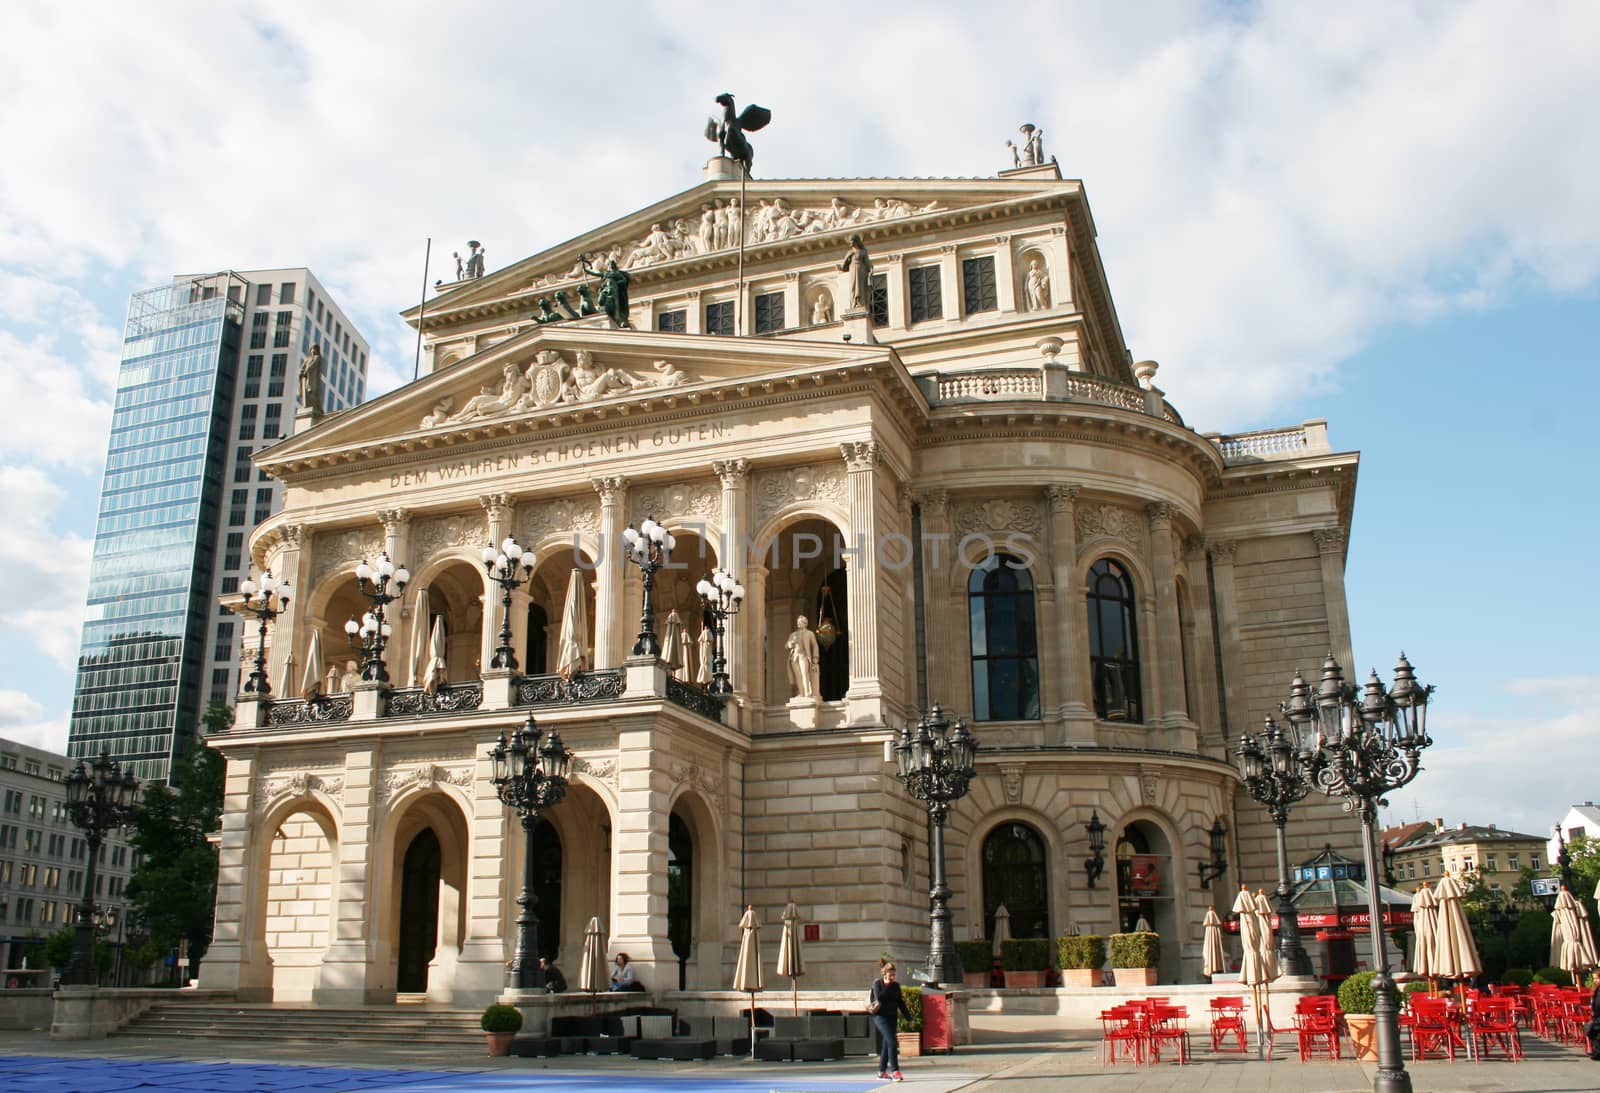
<point>776,489</point>
<point>341,550</point>
<point>439,534</point>
<point>563,516</point>
<point>1110,522</point>
<point>681,499</point>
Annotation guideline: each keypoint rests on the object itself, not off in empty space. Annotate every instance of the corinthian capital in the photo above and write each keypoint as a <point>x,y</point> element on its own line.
<point>1159,514</point>
<point>1328,540</point>
<point>392,519</point>
<point>732,472</point>
<point>1061,498</point>
<point>497,505</point>
<point>1222,550</point>
<point>860,455</point>
<point>610,488</point>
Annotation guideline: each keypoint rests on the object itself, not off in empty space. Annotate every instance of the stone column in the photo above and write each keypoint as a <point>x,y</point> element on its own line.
<point>735,477</point>
<point>1201,643</point>
<point>493,878</point>
<point>498,510</point>
<point>1174,711</point>
<point>752,632</point>
<point>950,282</point>
<point>861,575</point>
<point>609,646</point>
<point>289,633</point>
<point>1070,641</point>
<point>1330,553</point>
<point>238,959</point>
<point>1233,690</point>
<point>895,269</point>
<point>938,550</point>
<point>639,852</point>
<point>354,971</point>
<point>397,544</point>
<point>1061,287</point>
<point>695,321</point>
<point>396,535</point>
<point>1005,274</point>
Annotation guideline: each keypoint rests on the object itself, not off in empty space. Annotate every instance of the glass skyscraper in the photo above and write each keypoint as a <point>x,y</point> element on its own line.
<point>206,380</point>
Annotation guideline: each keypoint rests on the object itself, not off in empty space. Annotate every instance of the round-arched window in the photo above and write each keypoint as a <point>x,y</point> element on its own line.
<point>1113,643</point>
<point>1016,873</point>
<point>1005,650</point>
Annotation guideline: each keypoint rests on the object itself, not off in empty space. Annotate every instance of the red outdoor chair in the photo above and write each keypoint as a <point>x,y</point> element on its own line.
<point>1432,1030</point>
<point>1168,1025</point>
<point>1121,1030</point>
<point>1494,1021</point>
<point>1227,1020</point>
<point>1316,1031</point>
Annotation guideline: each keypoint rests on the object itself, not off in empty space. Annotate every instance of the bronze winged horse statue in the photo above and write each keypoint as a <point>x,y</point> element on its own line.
<point>729,133</point>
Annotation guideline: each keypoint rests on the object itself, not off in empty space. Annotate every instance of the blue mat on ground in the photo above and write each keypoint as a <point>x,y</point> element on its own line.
<point>54,1074</point>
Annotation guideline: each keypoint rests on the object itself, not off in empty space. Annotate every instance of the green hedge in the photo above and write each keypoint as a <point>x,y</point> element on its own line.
<point>913,997</point>
<point>1552,975</point>
<point>1517,977</point>
<point>1025,954</point>
<point>1356,994</point>
<point>498,1018</point>
<point>976,956</point>
<point>1137,950</point>
<point>1082,951</point>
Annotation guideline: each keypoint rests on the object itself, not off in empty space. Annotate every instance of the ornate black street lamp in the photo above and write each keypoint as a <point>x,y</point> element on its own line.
<point>721,596</point>
<point>1272,771</point>
<point>266,602</point>
<point>1564,863</point>
<point>936,765</point>
<point>99,798</point>
<point>372,633</point>
<point>510,567</point>
<point>1218,865</point>
<point>649,548</point>
<point>1361,746</point>
<point>529,776</point>
<point>1095,863</point>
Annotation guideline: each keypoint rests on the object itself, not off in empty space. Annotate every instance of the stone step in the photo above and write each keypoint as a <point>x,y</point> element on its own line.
<point>233,1021</point>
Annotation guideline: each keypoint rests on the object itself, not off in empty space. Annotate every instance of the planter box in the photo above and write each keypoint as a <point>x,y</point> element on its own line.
<point>1135,977</point>
<point>1025,979</point>
<point>1081,977</point>
<point>910,1044</point>
<point>975,980</point>
<point>1363,1034</point>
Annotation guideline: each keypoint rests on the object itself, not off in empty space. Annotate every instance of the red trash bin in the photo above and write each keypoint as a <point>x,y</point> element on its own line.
<point>937,1035</point>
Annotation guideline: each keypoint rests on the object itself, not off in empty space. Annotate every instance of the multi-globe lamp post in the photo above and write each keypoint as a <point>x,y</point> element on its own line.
<point>649,547</point>
<point>1360,746</point>
<point>1271,768</point>
<point>510,566</point>
<point>721,596</point>
<point>265,601</point>
<point>100,797</point>
<point>936,764</point>
<point>529,776</point>
<point>381,582</point>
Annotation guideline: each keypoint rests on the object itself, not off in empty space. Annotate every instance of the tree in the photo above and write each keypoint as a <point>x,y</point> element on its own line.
<point>174,890</point>
<point>1585,870</point>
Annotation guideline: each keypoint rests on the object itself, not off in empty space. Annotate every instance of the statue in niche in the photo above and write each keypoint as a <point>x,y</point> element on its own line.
<point>804,655</point>
<point>858,263</point>
<point>822,308</point>
<point>729,133</point>
<point>475,260</point>
<point>1037,285</point>
<point>311,380</point>
<point>613,289</point>
<point>351,677</point>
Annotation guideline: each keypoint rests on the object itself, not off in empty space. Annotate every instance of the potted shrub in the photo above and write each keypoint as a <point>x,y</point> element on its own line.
<point>977,957</point>
<point>501,1025</point>
<point>1135,957</point>
<point>1356,1000</point>
<point>1025,960</point>
<point>1082,957</point>
<point>909,1032</point>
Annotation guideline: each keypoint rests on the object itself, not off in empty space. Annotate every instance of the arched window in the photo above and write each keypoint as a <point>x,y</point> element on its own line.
<point>1113,643</point>
<point>547,887</point>
<point>1016,873</point>
<point>535,659</point>
<point>680,893</point>
<point>1005,652</point>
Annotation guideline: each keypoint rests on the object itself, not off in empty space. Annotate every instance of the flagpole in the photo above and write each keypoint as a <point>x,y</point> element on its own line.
<point>422,309</point>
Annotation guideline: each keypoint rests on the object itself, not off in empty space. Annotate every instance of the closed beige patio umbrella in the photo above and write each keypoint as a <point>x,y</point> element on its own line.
<point>1214,958</point>
<point>790,960</point>
<point>1571,941</point>
<point>417,655</point>
<point>1002,928</point>
<point>673,639</point>
<point>316,672</point>
<point>572,644</point>
<point>1424,914</point>
<point>1455,950</point>
<point>438,670</point>
<point>1252,967</point>
<point>747,974</point>
<point>592,972</point>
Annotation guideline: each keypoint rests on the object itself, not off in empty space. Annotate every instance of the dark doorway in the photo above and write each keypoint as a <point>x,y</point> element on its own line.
<point>833,665</point>
<point>534,662</point>
<point>680,894</point>
<point>547,887</point>
<point>1016,873</point>
<point>419,912</point>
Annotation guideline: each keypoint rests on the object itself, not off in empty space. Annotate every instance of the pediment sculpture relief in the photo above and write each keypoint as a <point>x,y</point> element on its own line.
<point>552,380</point>
<point>720,225</point>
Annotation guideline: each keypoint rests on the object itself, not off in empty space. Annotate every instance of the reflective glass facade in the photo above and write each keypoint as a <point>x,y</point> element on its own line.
<point>150,580</point>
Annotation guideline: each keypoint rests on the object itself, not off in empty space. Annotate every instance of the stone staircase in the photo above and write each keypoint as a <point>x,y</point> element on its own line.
<point>399,1026</point>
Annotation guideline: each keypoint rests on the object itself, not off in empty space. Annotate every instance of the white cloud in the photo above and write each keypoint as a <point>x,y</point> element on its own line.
<point>44,574</point>
<point>1517,772</point>
<point>22,719</point>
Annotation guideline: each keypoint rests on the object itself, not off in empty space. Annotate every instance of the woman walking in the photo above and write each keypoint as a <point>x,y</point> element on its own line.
<point>885,1003</point>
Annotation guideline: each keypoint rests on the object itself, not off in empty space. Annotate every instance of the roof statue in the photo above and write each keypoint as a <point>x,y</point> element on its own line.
<point>474,268</point>
<point>729,132</point>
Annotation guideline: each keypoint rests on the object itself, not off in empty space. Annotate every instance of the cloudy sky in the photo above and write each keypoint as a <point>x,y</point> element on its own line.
<point>1379,213</point>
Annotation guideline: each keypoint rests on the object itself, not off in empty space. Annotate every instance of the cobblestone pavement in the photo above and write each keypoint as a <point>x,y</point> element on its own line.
<point>1012,1055</point>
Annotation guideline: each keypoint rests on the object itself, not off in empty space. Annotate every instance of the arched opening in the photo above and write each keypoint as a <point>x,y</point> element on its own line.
<point>455,605</point>
<point>807,579</point>
<point>1114,643</point>
<point>1016,872</point>
<point>680,894</point>
<point>299,897</point>
<point>547,859</point>
<point>419,912</point>
<point>535,654</point>
<point>558,573</point>
<point>1005,653</point>
<point>1145,893</point>
<point>694,557</point>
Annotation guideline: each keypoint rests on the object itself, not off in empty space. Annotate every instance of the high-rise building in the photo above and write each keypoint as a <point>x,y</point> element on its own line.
<point>209,376</point>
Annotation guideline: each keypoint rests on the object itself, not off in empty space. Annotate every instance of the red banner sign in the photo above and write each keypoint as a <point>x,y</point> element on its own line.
<point>1347,919</point>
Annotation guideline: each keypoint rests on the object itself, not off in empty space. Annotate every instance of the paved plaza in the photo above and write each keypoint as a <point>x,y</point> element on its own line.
<point>1012,1055</point>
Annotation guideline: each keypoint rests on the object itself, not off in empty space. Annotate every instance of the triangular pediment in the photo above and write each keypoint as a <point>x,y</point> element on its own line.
<point>674,237</point>
<point>555,377</point>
